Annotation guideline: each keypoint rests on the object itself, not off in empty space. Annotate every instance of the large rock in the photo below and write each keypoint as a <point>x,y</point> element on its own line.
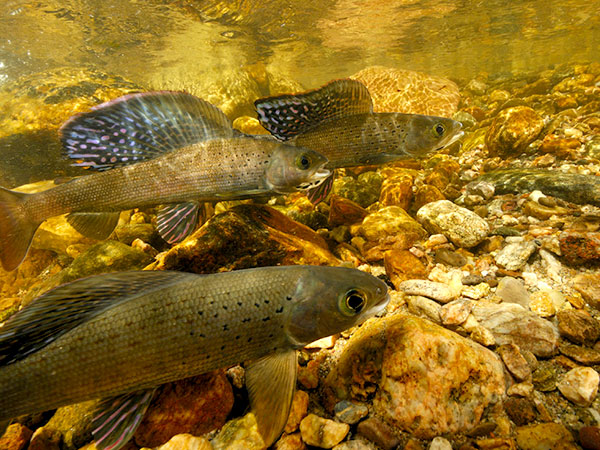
<point>247,236</point>
<point>510,323</point>
<point>406,91</point>
<point>462,226</point>
<point>513,130</point>
<point>194,405</point>
<point>572,187</point>
<point>425,379</point>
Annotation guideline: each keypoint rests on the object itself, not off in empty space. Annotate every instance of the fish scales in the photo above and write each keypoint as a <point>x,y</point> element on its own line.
<point>194,329</point>
<point>205,171</point>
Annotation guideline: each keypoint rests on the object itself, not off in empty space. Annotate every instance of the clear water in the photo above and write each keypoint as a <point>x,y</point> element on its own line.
<point>311,42</point>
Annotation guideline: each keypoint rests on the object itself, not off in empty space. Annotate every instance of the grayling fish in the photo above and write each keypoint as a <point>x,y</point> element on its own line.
<point>164,148</point>
<point>338,121</point>
<point>118,336</point>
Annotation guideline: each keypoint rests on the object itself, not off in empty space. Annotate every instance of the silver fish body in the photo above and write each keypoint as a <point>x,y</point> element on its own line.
<point>115,333</point>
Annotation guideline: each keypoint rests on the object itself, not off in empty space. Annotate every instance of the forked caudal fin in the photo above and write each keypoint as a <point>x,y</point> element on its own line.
<point>16,230</point>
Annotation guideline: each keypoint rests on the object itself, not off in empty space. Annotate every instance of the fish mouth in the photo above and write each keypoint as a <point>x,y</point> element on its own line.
<point>455,137</point>
<point>380,307</point>
<point>318,177</point>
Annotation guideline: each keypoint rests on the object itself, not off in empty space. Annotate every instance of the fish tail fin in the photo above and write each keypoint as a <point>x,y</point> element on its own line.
<point>16,229</point>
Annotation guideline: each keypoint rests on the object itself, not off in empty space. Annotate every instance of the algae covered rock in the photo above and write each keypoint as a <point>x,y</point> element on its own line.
<point>247,236</point>
<point>424,379</point>
<point>513,130</point>
<point>407,91</point>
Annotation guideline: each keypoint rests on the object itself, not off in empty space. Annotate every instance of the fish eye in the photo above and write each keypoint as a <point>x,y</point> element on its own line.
<point>352,302</point>
<point>439,129</point>
<point>303,161</point>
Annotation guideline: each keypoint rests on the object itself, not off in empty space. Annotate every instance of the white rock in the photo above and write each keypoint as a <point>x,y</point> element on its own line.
<point>580,385</point>
<point>439,443</point>
<point>323,433</point>
<point>456,312</point>
<point>431,289</point>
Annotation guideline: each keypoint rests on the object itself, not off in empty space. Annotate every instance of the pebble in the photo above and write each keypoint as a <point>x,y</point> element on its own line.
<point>520,410</point>
<point>378,432</point>
<point>439,443</point>
<point>187,442</point>
<point>422,306</point>
<point>477,291</point>
<point>578,326</point>
<point>588,285</point>
<point>512,130</point>
<point>515,255</point>
<point>239,434</point>
<point>356,444</point>
<point>456,312</point>
<point>482,188</point>
<point>290,442</point>
<point>431,289</point>
<point>515,362</point>
<point>298,411</point>
<point>16,437</point>
<point>583,355</point>
<point>511,323</point>
<point>512,290</point>
<point>350,413</point>
<point>580,385</point>
<point>524,389</point>
<point>321,432</point>
<point>460,225</point>
<point>543,436</point>
<point>541,303</point>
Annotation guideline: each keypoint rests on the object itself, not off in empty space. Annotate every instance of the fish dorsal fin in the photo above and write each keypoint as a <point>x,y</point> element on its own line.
<point>285,116</point>
<point>138,127</point>
<point>177,221</point>
<point>271,381</point>
<point>96,225</point>
<point>64,308</point>
<point>117,418</point>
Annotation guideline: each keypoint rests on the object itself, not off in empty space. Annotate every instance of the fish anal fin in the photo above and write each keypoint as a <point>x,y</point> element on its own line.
<point>117,418</point>
<point>271,381</point>
<point>286,116</point>
<point>139,127</point>
<point>177,221</point>
<point>96,225</point>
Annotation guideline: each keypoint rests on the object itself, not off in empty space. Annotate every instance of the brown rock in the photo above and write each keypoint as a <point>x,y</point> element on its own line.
<point>397,90</point>
<point>580,248</point>
<point>298,411</point>
<point>561,147</point>
<point>583,355</point>
<point>514,360</point>
<point>588,285</point>
<point>308,376</point>
<point>16,437</point>
<point>520,410</point>
<point>290,442</point>
<point>343,211</point>
<point>379,432</point>
<point>543,436</point>
<point>247,236</point>
<point>590,438</point>
<point>578,326</point>
<point>194,405</point>
<point>402,265</point>
<point>513,130</point>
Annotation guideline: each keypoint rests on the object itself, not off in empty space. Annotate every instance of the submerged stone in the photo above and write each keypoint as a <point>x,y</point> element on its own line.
<point>431,381</point>
<point>322,433</point>
<point>513,130</point>
<point>575,188</point>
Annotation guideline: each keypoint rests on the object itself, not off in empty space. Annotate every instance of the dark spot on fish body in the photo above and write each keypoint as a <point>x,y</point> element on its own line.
<point>267,302</point>
<point>270,335</point>
<point>246,320</point>
<point>200,313</point>
<point>225,327</point>
<point>222,347</point>
<point>249,339</point>
<point>225,307</point>
<point>216,315</point>
<point>279,310</point>
<point>289,298</point>
<point>237,337</point>
<point>266,319</point>
<point>239,303</point>
<point>257,305</point>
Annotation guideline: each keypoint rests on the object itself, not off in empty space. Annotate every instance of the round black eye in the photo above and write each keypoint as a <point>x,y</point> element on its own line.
<point>303,162</point>
<point>355,301</point>
<point>439,129</point>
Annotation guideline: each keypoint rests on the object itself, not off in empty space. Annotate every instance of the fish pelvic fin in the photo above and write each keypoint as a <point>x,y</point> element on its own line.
<point>117,418</point>
<point>271,382</point>
<point>286,116</point>
<point>16,229</point>
<point>139,127</point>
<point>94,225</point>
<point>175,222</point>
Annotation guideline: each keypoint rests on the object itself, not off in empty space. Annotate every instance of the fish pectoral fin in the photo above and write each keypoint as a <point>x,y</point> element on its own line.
<point>139,127</point>
<point>96,225</point>
<point>271,382</point>
<point>177,221</point>
<point>381,158</point>
<point>117,418</point>
<point>320,192</point>
<point>286,116</point>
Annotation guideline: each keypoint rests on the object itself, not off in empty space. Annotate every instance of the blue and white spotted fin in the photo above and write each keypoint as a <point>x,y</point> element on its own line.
<point>286,116</point>
<point>139,127</point>
<point>176,222</point>
<point>117,418</point>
